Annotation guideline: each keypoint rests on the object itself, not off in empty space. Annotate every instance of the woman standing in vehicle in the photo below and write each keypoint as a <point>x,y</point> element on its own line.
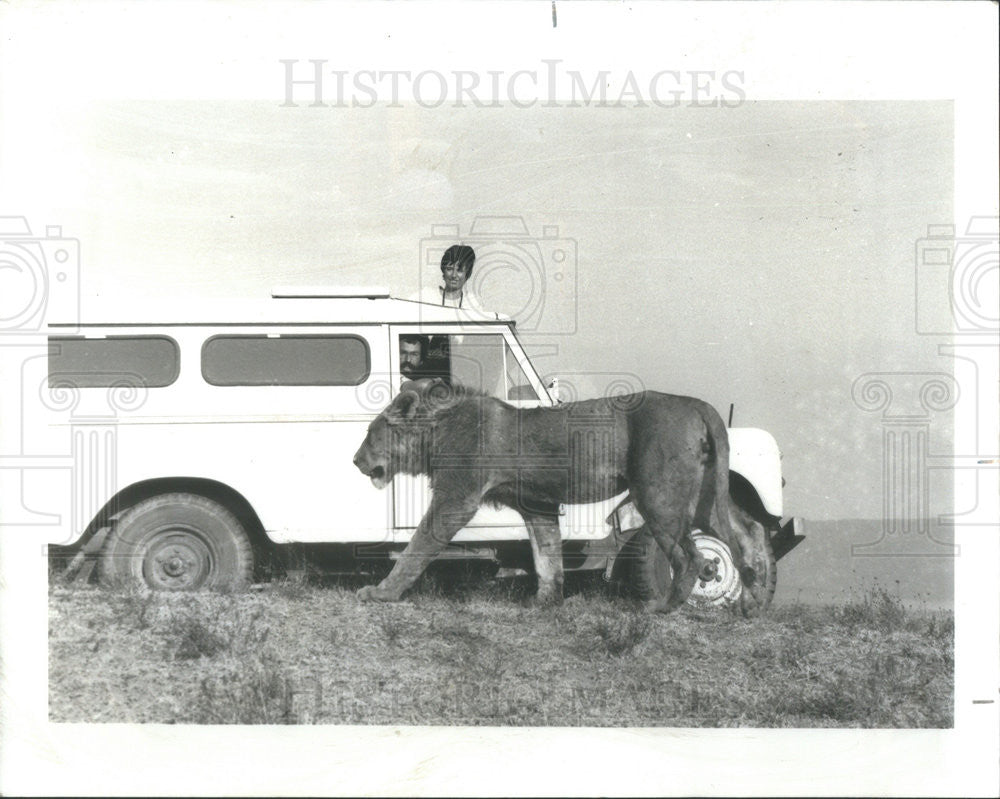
<point>454,291</point>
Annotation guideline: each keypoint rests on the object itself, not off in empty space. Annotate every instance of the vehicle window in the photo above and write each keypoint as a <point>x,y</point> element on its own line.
<point>480,361</point>
<point>477,363</point>
<point>293,360</point>
<point>423,356</point>
<point>150,361</point>
<point>518,385</point>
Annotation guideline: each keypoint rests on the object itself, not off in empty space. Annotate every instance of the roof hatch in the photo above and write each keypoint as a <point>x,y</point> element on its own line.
<point>330,292</point>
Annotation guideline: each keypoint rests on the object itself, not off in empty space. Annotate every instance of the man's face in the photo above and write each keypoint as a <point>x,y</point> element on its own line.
<point>409,357</point>
<point>454,276</point>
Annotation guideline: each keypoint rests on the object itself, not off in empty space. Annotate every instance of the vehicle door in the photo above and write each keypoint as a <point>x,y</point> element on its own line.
<point>487,359</point>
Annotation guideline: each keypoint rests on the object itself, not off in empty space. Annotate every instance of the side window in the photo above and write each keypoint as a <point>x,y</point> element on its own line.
<point>294,360</point>
<point>482,362</point>
<point>150,361</point>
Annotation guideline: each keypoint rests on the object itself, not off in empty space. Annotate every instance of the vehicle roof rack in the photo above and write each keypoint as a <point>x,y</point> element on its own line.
<point>330,292</point>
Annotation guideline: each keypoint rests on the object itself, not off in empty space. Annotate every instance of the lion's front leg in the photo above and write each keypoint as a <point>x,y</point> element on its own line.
<point>546,548</point>
<point>439,525</point>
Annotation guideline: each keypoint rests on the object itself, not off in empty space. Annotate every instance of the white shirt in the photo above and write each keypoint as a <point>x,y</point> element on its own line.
<point>468,300</point>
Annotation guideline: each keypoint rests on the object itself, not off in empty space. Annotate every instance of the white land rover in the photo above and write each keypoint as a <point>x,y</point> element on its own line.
<point>196,445</point>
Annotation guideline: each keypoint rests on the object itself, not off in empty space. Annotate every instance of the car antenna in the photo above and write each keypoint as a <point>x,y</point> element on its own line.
<point>730,423</point>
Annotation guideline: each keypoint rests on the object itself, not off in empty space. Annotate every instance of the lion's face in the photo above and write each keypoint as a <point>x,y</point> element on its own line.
<point>372,457</point>
<point>397,439</point>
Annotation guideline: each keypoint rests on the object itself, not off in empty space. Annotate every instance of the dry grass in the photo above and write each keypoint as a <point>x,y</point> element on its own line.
<point>305,653</point>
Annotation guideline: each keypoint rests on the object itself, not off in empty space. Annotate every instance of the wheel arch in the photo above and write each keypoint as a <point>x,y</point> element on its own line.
<point>754,455</point>
<point>748,498</point>
<point>225,495</point>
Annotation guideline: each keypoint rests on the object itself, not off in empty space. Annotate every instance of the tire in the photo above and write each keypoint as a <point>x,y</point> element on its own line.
<point>650,575</point>
<point>766,567</point>
<point>178,542</point>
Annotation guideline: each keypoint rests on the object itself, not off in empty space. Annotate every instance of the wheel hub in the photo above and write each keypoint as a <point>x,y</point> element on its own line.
<point>177,560</point>
<point>175,566</point>
<point>718,581</point>
<point>710,571</point>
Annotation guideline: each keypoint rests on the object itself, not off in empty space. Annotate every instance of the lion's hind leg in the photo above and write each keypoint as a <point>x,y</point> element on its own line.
<point>669,521</point>
<point>686,564</point>
<point>546,549</point>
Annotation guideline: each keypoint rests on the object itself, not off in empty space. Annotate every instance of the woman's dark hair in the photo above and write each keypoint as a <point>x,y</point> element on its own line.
<point>461,254</point>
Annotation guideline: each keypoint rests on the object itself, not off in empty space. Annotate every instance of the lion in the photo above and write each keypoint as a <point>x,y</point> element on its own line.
<point>670,452</point>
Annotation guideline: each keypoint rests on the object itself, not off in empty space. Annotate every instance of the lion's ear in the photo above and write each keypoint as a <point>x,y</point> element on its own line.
<point>406,405</point>
<point>439,395</point>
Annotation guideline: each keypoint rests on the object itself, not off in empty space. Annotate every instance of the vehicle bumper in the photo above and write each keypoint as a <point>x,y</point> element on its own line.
<point>789,536</point>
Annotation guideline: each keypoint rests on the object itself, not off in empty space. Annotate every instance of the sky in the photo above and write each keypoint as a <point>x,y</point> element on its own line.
<point>761,255</point>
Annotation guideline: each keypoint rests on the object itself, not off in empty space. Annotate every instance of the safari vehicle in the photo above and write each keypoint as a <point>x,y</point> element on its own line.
<point>202,443</point>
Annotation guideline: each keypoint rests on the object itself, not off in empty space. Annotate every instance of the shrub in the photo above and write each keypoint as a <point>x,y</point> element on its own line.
<point>193,638</point>
<point>294,586</point>
<point>392,628</point>
<point>877,610</point>
<point>253,690</point>
<point>200,629</point>
<point>132,605</point>
<point>620,636</point>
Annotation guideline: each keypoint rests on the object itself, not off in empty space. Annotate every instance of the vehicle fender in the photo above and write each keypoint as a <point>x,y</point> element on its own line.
<point>754,454</point>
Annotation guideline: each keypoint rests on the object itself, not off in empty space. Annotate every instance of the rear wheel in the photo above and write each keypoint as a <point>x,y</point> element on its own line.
<point>718,586</point>
<point>178,542</point>
<point>766,568</point>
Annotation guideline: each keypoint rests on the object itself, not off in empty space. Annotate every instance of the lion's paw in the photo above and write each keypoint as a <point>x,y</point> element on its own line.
<point>661,605</point>
<point>373,593</point>
<point>548,598</point>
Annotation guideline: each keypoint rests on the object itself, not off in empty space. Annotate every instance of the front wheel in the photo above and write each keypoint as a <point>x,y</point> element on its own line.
<point>178,542</point>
